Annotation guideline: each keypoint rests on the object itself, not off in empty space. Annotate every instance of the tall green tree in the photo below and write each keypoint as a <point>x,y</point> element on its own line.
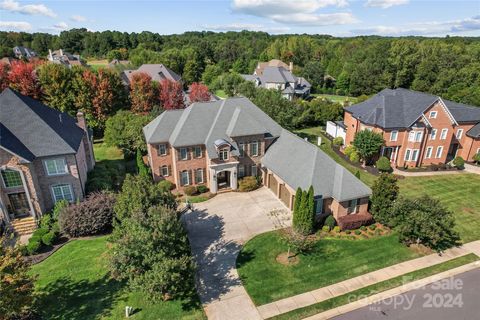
<point>367,143</point>
<point>384,194</point>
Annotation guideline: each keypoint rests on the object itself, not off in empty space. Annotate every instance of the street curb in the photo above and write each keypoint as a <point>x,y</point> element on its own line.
<point>393,292</point>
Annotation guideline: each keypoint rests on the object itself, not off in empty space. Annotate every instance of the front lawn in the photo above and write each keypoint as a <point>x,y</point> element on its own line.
<point>331,261</point>
<point>460,193</point>
<point>74,283</point>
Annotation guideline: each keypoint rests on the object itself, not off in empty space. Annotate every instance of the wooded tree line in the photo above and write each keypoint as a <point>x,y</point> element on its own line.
<point>449,67</point>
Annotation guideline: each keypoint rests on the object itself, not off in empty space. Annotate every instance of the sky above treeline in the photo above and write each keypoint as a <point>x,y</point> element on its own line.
<point>335,17</point>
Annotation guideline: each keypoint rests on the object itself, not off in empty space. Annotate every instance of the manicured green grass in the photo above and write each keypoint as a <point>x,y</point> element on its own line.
<point>74,283</point>
<point>221,94</point>
<point>326,146</point>
<point>335,98</point>
<point>460,193</point>
<point>331,261</point>
<point>376,288</point>
<point>104,152</point>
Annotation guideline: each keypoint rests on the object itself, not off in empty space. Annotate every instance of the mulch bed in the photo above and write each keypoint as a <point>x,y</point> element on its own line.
<point>426,169</point>
<point>283,259</point>
<point>369,169</point>
<point>47,251</point>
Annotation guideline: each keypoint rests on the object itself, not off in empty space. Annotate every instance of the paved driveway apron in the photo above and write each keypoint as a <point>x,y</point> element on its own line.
<point>217,229</point>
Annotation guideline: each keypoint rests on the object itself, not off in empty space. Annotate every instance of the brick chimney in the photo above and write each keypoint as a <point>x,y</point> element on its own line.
<point>290,67</point>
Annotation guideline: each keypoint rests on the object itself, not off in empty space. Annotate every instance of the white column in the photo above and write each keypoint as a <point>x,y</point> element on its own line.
<point>213,181</point>
<point>233,178</point>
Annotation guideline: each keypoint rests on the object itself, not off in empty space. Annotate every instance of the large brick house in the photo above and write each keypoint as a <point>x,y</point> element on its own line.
<point>44,156</point>
<point>419,129</point>
<point>216,143</point>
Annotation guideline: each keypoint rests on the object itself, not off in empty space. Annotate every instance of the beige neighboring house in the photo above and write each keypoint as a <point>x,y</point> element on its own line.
<point>45,156</point>
<point>217,143</point>
<point>63,57</point>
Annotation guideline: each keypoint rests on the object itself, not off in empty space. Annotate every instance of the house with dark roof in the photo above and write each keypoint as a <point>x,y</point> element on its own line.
<point>157,72</point>
<point>45,156</point>
<point>65,58</point>
<point>23,52</point>
<point>219,142</point>
<point>419,129</point>
<point>276,75</point>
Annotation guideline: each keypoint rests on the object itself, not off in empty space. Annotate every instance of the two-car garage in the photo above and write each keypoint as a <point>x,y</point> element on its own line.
<point>280,189</point>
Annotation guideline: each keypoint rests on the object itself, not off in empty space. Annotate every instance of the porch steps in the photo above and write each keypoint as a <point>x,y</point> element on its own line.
<point>224,191</point>
<point>24,226</point>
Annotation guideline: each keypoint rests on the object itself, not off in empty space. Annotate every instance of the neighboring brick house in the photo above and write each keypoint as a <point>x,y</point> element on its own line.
<point>44,156</point>
<point>216,143</point>
<point>419,129</point>
<point>276,75</point>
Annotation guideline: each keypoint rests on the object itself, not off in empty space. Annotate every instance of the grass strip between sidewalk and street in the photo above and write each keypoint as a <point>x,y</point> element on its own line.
<point>376,288</point>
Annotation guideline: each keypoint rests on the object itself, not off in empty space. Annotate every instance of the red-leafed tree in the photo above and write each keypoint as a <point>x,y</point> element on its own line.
<point>143,93</point>
<point>4,70</point>
<point>171,95</point>
<point>23,78</point>
<point>199,93</point>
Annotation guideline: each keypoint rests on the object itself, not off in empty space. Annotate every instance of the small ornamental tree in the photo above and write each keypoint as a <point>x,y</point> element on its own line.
<point>143,93</point>
<point>384,193</point>
<point>16,284</point>
<point>171,95</point>
<point>199,93</point>
<point>367,143</point>
<point>383,165</point>
<point>150,250</point>
<point>425,221</point>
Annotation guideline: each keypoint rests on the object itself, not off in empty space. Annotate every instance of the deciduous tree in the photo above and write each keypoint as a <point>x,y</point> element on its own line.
<point>171,95</point>
<point>23,78</point>
<point>143,93</point>
<point>384,193</point>
<point>367,143</point>
<point>199,93</point>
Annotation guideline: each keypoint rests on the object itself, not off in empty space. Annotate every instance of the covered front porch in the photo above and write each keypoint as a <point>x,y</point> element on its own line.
<point>223,176</point>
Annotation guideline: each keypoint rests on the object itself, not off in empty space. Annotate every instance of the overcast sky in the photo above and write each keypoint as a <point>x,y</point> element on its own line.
<point>335,17</point>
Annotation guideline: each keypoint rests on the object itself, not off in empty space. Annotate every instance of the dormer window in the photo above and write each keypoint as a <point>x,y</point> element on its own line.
<point>223,154</point>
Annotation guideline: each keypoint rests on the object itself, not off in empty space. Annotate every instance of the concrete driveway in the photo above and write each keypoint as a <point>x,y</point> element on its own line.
<point>217,229</point>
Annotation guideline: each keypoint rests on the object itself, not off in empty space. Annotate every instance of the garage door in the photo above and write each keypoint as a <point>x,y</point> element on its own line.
<point>285,195</point>
<point>272,183</point>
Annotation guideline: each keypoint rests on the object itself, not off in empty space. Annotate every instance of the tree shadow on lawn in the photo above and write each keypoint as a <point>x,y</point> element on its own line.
<point>215,256</point>
<point>67,299</point>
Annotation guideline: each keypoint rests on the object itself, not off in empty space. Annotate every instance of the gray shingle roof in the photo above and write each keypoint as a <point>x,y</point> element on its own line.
<point>205,122</point>
<point>302,164</point>
<point>157,72</point>
<point>277,75</point>
<point>474,132</point>
<point>31,129</point>
<point>400,108</point>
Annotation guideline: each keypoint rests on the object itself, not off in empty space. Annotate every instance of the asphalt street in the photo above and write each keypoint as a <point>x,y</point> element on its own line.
<point>452,298</point>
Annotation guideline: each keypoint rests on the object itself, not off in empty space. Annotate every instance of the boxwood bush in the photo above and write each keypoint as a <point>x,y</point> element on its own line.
<point>383,165</point>
<point>92,216</point>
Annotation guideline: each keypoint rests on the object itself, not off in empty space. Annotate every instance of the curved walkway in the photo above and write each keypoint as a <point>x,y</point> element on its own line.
<point>217,229</point>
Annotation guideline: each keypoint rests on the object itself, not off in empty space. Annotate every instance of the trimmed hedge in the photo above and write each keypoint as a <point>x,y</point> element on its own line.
<point>249,183</point>
<point>190,190</point>
<point>355,221</point>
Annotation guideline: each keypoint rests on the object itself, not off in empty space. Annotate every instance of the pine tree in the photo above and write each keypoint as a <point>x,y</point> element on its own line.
<point>310,214</point>
<point>296,209</point>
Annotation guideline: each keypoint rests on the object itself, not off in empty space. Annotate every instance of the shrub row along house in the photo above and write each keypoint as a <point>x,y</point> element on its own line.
<point>216,143</point>
<point>277,75</point>
<point>45,156</point>
<point>419,129</point>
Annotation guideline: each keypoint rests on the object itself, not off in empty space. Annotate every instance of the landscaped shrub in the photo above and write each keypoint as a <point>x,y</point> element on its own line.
<point>354,157</point>
<point>384,193</point>
<point>141,167</point>
<point>349,150</point>
<point>348,231</point>
<point>202,189</point>
<point>383,165</point>
<point>92,216</point>
<point>373,227</point>
<point>459,163</point>
<point>330,222</point>
<point>49,238</point>
<point>246,184</point>
<point>357,174</point>
<point>336,229</point>
<point>166,185</point>
<point>338,141</point>
<point>357,232</point>
<point>33,246</point>
<point>325,229</point>
<point>363,228</point>
<point>190,190</point>
<point>355,221</point>
<point>39,233</point>
<point>476,158</point>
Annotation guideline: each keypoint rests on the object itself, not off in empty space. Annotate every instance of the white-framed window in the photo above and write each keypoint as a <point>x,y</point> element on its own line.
<point>223,154</point>
<point>254,148</point>
<point>254,170</point>
<point>164,171</point>
<point>241,149</point>
<point>162,150</point>
<point>439,152</point>
<point>415,153</point>
<point>411,136</point>
<point>407,154</point>
<point>241,171</point>
<point>352,206</point>
<point>432,115</point>
<point>443,135</point>
<point>56,166</point>
<point>418,136</point>
<point>394,135</point>
<point>199,176</point>
<point>11,178</point>
<point>428,153</point>
<point>184,178</point>
<point>459,134</point>
<point>62,192</point>
<point>197,152</point>
<point>183,154</point>
<point>433,134</point>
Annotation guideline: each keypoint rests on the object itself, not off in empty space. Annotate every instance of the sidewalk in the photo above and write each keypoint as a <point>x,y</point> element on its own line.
<point>472,169</point>
<point>341,288</point>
